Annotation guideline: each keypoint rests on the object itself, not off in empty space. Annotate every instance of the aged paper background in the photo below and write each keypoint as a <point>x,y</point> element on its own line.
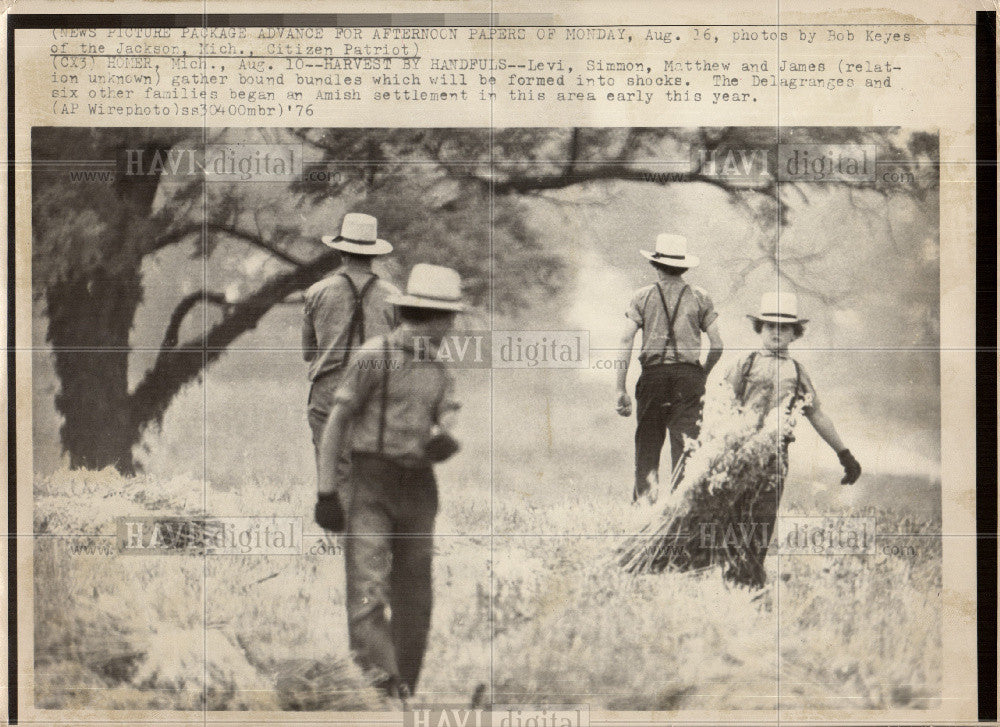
<point>932,91</point>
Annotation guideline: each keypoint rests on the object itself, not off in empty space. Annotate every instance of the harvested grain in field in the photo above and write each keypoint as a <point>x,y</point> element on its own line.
<point>723,512</point>
<point>134,629</point>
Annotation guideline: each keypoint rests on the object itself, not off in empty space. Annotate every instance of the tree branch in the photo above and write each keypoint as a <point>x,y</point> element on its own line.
<point>174,368</point>
<point>601,171</point>
<point>186,303</point>
<point>178,234</point>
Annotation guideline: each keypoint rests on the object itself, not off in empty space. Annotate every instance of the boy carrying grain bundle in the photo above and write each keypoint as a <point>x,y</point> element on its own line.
<point>726,513</point>
<point>762,381</point>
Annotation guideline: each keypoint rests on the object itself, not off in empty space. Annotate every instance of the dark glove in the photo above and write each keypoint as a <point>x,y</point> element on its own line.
<point>441,446</point>
<point>329,514</point>
<point>852,468</point>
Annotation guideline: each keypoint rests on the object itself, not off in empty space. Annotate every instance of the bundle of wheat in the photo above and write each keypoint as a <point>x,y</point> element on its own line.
<point>309,676</point>
<point>202,668</point>
<point>724,510</point>
<point>334,683</point>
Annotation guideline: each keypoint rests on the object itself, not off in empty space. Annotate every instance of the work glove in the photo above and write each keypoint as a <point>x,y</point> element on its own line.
<point>852,468</point>
<point>329,513</point>
<point>441,446</point>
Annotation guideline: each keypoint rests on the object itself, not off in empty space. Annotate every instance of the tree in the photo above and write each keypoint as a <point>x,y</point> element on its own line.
<point>90,237</point>
<point>458,197</point>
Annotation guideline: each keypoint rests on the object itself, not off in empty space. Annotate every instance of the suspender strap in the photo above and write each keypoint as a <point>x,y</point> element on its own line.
<point>356,327</point>
<point>797,394</point>
<point>741,393</point>
<point>671,318</point>
<point>385,393</point>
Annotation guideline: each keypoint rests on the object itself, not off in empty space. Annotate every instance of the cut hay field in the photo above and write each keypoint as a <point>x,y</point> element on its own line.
<point>528,599</point>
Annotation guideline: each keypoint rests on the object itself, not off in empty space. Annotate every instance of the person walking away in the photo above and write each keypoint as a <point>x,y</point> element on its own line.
<point>341,312</point>
<point>672,315</point>
<point>391,410</point>
<point>769,380</point>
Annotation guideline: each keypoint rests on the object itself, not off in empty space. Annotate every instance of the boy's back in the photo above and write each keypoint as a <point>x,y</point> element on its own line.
<point>329,306</point>
<point>695,312</point>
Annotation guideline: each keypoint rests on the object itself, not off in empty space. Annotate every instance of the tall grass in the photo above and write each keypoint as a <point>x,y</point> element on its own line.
<point>528,597</point>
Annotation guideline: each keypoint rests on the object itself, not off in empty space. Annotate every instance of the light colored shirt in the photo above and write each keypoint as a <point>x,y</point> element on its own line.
<point>327,319</point>
<point>771,381</point>
<point>418,390</point>
<point>694,315</point>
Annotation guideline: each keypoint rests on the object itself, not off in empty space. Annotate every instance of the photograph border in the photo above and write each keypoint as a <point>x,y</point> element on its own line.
<point>986,230</point>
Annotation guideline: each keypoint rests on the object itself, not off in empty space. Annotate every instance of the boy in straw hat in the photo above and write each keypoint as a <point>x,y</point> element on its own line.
<point>762,381</point>
<point>672,316</point>
<point>389,410</point>
<point>341,312</point>
<point>726,514</point>
<point>765,378</point>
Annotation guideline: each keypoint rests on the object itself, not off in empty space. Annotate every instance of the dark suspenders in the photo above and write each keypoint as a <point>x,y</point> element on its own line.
<point>798,386</point>
<point>356,327</point>
<point>741,390</point>
<point>671,318</point>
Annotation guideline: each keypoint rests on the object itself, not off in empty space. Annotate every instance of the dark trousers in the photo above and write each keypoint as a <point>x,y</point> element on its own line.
<point>320,404</point>
<point>667,396</point>
<point>390,523</point>
<point>755,511</point>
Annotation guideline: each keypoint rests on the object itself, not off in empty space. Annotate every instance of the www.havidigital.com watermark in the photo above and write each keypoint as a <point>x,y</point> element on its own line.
<point>224,162</point>
<point>795,535</point>
<point>497,716</point>
<point>567,349</point>
<point>177,535</point>
<point>745,165</point>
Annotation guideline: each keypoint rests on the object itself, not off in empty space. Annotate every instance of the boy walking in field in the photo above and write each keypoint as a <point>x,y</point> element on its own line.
<point>672,316</point>
<point>389,410</point>
<point>341,312</point>
<point>726,515</point>
<point>768,380</point>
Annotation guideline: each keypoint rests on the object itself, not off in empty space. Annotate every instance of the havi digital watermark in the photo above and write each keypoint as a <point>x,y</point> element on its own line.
<point>498,716</point>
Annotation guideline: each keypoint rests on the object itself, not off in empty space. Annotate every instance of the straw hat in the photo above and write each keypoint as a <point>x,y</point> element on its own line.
<point>358,234</point>
<point>780,307</point>
<point>431,286</point>
<point>671,250</point>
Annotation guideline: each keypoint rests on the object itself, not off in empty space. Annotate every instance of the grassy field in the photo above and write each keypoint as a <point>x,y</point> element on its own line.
<point>528,599</point>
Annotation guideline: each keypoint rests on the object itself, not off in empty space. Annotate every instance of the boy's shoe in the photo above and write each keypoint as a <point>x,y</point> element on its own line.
<point>478,696</point>
<point>764,599</point>
<point>395,692</point>
<point>650,494</point>
<point>646,500</point>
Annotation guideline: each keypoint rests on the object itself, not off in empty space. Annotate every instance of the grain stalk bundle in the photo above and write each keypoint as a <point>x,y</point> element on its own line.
<point>722,513</point>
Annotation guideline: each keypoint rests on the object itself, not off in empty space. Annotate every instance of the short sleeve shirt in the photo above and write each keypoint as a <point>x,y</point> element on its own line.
<point>418,391</point>
<point>329,306</point>
<point>771,381</point>
<point>694,315</point>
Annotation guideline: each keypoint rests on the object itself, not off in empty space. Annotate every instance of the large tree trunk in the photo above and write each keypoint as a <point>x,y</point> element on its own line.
<point>93,285</point>
<point>89,322</point>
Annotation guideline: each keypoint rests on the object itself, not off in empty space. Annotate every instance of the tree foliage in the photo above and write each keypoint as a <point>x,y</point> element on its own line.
<point>460,197</point>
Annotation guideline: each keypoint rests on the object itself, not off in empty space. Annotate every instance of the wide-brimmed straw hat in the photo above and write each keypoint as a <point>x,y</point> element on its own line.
<point>671,250</point>
<point>431,286</point>
<point>780,307</point>
<point>359,235</point>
